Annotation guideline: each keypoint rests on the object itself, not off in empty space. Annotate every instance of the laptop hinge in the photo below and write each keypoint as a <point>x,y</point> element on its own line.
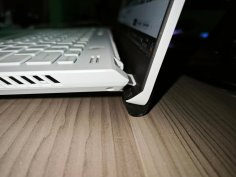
<point>119,63</point>
<point>132,81</point>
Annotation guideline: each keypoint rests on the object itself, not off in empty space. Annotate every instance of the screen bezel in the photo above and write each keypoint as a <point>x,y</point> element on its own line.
<point>139,95</point>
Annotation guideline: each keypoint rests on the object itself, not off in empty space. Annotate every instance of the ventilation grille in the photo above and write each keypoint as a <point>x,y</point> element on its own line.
<point>28,81</point>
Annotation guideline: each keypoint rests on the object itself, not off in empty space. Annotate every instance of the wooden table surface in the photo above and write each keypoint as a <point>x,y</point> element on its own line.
<point>190,132</point>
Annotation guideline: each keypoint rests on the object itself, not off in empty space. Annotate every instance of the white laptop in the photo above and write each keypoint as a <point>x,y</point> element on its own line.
<point>88,59</point>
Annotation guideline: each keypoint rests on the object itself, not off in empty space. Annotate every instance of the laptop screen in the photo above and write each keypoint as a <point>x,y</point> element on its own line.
<point>140,23</point>
<point>144,16</point>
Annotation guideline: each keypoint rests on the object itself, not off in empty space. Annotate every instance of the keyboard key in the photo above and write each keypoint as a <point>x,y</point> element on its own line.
<point>67,60</point>
<point>28,52</point>
<point>14,60</point>
<point>13,49</point>
<point>28,43</point>
<point>79,45</point>
<point>76,49</point>
<point>23,45</point>
<point>4,54</point>
<point>10,42</point>
<point>65,43</point>
<point>3,47</point>
<point>44,58</point>
<point>38,47</point>
<point>72,53</point>
<point>68,41</point>
<point>62,50</point>
<point>84,39</point>
<point>81,42</point>
<point>60,46</point>
<point>47,42</point>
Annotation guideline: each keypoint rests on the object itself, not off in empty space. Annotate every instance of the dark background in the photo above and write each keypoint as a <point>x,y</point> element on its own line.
<point>204,14</point>
<point>60,12</point>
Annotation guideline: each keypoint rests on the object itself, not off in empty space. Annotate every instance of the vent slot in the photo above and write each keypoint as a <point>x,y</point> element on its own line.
<point>4,81</point>
<point>27,79</point>
<point>52,79</point>
<point>16,80</point>
<point>38,78</point>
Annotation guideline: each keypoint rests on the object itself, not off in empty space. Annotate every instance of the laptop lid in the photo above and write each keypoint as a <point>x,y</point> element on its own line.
<point>143,35</point>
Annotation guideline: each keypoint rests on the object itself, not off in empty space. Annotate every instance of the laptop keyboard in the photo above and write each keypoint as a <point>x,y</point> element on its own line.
<point>45,47</point>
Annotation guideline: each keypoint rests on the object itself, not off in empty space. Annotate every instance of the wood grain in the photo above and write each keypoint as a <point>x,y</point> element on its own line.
<point>190,132</point>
